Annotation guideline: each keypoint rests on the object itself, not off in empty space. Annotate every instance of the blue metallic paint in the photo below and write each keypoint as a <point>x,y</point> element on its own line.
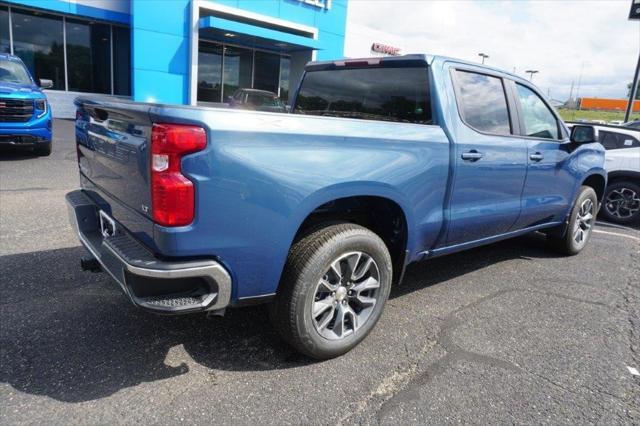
<point>262,174</point>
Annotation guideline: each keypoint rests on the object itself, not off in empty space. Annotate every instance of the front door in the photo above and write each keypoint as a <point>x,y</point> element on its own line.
<point>548,188</point>
<point>490,160</point>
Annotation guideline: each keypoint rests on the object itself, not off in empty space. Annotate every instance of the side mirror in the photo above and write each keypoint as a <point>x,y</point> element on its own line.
<point>584,134</point>
<point>46,84</point>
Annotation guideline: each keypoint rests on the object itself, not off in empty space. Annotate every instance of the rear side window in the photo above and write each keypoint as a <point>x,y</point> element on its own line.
<point>483,103</point>
<point>614,140</point>
<point>539,121</point>
<point>387,94</point>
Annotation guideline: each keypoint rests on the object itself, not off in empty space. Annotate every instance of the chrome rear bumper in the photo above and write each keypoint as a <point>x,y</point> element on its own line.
<point>168,287</point>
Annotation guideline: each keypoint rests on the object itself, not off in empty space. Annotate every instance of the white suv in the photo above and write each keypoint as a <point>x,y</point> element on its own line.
<point>622,161</point>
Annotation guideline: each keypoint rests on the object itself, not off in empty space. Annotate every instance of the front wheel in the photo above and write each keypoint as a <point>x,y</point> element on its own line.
<point>622,202</point>
<point>334,287</point>
<point>580,225</point>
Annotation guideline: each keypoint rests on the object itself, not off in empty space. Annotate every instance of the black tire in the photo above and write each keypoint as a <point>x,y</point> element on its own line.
<point>43,150</point>
<point>620,200</point>
<point>571,243</point>
<point>309,261</point>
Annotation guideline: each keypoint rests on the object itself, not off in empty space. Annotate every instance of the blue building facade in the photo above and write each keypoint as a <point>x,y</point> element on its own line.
<point>170,51</point>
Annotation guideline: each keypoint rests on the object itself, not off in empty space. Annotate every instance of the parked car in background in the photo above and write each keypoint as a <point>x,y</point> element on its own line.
<point>256,100</point>
<point>622,162</point>
<point>382,162</point>
<point>632,124</point>
<point>25,116</point>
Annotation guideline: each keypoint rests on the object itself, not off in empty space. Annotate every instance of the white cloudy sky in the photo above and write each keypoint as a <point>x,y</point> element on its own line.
<point>556,37</point>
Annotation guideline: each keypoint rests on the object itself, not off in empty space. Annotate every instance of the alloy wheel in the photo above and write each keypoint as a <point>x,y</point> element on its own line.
<point>622,203</point>
<point>584,221</point>
<point>346,295</point>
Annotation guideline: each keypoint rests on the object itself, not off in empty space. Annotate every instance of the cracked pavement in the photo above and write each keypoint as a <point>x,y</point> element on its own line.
<point>508,333</point>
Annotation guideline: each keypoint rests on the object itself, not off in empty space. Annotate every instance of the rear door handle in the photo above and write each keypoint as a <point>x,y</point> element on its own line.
<point>472,155</point>
<point>536,157</point>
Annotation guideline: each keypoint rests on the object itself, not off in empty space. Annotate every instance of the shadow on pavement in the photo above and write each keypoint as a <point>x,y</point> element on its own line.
<point>10,153</point>
<point>74,337</point>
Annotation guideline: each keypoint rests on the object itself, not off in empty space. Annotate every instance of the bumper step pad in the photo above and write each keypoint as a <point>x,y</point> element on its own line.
<point>162,286</point>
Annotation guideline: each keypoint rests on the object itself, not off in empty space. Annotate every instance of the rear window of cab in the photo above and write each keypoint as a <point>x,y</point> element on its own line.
<point>386,93</point>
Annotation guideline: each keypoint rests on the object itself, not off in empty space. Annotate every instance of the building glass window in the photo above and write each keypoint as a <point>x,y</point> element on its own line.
<point>5,46</point>
<point>223,69</point>
<point>37,40</point>
<point>483,102</point>
<point>121,61</point>
<point>210,72</point>
<point>285,66</point>
<point>88,56</point>
<point>266,71</point>
<point>237,70</point>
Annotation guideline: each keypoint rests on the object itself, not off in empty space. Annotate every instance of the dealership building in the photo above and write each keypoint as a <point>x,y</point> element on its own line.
<point>170,51</point>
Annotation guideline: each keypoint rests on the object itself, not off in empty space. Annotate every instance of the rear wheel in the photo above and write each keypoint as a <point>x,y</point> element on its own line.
<point>622,202</point>
<point>580,226</point>
<point>336,282</point>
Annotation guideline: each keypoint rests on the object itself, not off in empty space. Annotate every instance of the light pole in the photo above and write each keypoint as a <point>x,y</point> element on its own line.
<point>531,73</point>
<point>483,56</point>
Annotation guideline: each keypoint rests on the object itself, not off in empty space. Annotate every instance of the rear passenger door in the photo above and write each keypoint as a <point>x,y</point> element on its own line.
<point>549,185</point>
<point>490,158</point>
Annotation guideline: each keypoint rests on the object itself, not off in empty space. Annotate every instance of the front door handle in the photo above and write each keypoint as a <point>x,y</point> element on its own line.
<point>472,155</point>
<point>536,157</point>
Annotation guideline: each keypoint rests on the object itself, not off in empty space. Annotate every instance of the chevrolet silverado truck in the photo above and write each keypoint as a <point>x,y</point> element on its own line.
<point>25,116</point>
<point>381,162</point>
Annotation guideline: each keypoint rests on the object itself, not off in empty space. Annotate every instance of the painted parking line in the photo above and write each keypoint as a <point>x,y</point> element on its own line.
<point>616,234</point>
<point>614,225</point>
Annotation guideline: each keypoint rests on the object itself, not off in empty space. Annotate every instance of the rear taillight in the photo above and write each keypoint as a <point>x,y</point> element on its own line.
<point>172,194</point>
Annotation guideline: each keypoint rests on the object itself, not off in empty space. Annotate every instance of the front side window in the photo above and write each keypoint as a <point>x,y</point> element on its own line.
<point>387,94</point>
<point>483,102</point>
<point>539,121</point>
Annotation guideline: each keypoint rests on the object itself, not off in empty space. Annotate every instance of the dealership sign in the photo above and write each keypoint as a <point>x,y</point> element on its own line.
<point>322,4</point>
<point>385,49</point>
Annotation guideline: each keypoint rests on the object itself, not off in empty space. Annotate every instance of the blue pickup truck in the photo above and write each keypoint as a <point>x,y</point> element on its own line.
<point>381,162</point>
<point>25,116</point>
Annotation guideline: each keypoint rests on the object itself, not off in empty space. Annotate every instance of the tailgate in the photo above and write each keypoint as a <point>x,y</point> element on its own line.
<point>113,140</point>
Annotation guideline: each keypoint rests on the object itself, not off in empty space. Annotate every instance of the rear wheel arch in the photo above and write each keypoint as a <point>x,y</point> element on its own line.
<point>382,215</point>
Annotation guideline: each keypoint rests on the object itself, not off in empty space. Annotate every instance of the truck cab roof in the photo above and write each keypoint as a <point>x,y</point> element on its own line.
<point>414,59</point>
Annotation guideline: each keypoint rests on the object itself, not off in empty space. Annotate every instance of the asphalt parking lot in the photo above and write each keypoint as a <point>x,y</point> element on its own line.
<point>509,333</point>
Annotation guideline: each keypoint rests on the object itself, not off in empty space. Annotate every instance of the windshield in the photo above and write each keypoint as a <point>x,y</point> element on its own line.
<point>14,72</point>
<point>387,94</point>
